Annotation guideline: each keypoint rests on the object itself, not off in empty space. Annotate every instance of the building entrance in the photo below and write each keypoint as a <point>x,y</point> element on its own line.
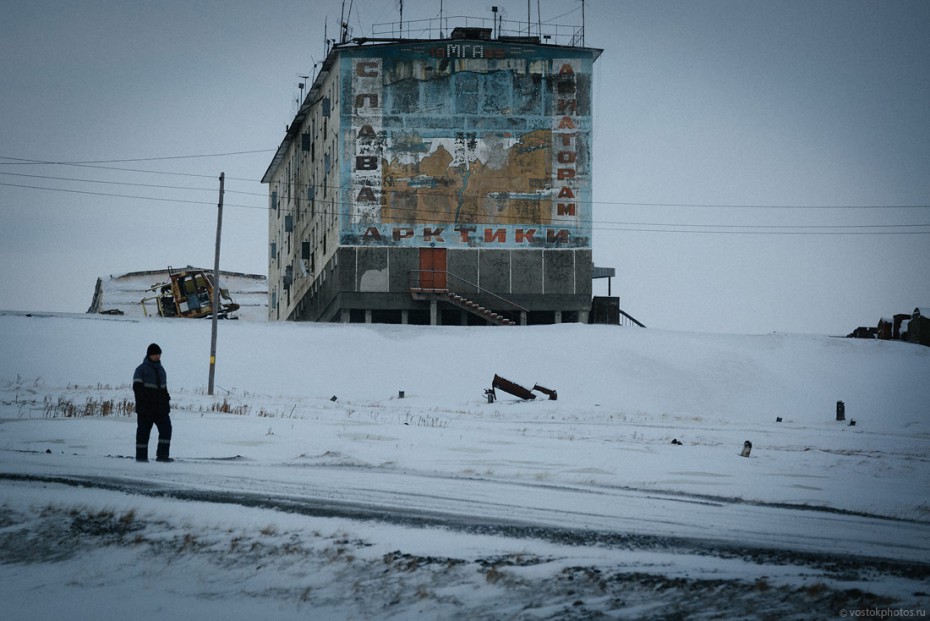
<point>432,268</point>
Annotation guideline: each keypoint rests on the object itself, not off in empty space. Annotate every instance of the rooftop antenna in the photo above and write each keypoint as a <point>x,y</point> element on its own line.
<point>302,85</point>
<point>401,2</point>
<point>538,20</point>
<point>344,18</point>
<point>582,23</point>
<point>440,19</point>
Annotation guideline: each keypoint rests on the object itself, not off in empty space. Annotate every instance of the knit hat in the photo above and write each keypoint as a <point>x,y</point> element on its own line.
<point>153,349</point>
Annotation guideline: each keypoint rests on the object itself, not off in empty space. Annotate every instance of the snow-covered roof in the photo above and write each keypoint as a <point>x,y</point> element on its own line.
<point>123,293</point>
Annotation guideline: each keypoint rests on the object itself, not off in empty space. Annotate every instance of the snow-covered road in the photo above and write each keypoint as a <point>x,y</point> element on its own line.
<point>564,513</point>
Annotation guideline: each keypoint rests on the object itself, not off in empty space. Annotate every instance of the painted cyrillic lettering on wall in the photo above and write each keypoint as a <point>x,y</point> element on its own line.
<point>565,142</point>
<point>367,146</point>
<point>441,144</point>
<point>467,236</point>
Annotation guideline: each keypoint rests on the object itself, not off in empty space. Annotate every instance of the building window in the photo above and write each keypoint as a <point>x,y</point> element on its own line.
<point>288,277</point>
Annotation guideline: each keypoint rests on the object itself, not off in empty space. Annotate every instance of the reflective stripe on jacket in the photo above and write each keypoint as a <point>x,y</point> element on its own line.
<point>150,386</point>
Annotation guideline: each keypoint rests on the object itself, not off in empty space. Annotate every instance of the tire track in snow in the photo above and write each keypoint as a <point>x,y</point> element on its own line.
<point>412,517</point>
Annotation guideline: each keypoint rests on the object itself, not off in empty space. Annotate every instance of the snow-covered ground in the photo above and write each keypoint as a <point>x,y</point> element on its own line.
<point>309,488</point>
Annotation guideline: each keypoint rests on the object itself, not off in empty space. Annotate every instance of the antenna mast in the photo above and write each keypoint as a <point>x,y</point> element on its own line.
<point>582,23</point>
<point>538,20</point>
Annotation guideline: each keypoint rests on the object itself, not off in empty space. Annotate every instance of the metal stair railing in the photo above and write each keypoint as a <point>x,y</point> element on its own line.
<point>630,320</point>
<point>459,291</point>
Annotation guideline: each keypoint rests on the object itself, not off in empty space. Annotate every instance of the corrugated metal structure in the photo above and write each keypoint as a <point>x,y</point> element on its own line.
<point>435,181</point>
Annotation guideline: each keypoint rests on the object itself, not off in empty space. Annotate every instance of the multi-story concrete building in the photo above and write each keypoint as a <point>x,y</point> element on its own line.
<point>435,181</point>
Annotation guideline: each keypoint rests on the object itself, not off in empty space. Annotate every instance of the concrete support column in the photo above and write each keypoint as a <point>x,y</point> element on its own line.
<point>367,315</point>
<point>433,313</point>
<point>522,318</point>
<point>558,317</point>
<point>404,316</point>
<point>344,315</point>
<point>583,316</point>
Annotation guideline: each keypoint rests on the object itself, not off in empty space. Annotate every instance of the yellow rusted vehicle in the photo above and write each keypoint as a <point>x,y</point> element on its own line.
<point>188,293</point>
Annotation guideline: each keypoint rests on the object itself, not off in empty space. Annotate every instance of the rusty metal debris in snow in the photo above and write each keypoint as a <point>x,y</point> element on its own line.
<point>188,293</point>
<point>517,390</point>
<point>510,387</point>
<point>553,394</point>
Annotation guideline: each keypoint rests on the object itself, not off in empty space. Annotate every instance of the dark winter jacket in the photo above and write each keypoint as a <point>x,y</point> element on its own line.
<point>150,385</point>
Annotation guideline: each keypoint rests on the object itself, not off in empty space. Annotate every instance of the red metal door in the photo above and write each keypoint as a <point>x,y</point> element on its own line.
<point>433,268</point>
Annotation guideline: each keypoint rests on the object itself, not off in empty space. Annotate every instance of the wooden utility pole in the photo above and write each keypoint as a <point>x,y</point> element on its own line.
<point>216,285</point>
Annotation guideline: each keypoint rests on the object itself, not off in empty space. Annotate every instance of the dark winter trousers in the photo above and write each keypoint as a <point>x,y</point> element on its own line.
<point>144,431</point>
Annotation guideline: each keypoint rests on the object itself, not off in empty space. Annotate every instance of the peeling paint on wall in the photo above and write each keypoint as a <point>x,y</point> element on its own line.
<point>466,145</point>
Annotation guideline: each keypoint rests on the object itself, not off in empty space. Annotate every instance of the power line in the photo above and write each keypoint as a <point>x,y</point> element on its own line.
<point>138,159</point>
<point>336,187</point>
<point>597,225</point>
<point>141,185</point>
<point>22,162</point>
<point>145,198</point>
<point>298,187</point>
<point>749,206</point>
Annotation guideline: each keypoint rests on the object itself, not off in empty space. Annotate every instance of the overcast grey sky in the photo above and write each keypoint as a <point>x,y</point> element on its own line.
<point>759,166</point>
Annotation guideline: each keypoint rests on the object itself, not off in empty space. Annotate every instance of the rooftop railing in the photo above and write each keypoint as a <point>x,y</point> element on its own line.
<point>441,28</point>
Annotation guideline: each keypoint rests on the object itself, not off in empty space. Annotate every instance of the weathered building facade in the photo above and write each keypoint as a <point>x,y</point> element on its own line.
<point>437,181</point>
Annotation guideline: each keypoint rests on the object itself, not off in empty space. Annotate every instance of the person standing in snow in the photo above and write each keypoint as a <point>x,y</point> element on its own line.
<point>150,386</point>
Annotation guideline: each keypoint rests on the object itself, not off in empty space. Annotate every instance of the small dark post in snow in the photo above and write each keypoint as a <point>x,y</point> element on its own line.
<point>840,410</point>
<point>778,420</point>
<point>400,394</point>
<point>747,447</point>
<point>490,394</point>
<point>852,422</point>
<point>333,398</point>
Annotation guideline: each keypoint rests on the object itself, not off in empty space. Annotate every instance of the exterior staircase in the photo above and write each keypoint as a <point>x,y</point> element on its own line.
<point>473,307</point>
<point>457,298</point>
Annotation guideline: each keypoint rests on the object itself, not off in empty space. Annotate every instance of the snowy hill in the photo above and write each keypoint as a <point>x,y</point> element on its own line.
<point>309,486</point>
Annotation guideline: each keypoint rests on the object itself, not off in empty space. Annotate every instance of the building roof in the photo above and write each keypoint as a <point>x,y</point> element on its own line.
<point>123,293</point>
